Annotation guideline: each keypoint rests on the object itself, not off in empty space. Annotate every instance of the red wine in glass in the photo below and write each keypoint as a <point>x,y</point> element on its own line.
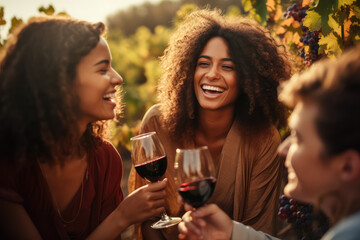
<point>197,192</point>
<point>194,175</point>
<point>149,158</point>
<point>152,170</point>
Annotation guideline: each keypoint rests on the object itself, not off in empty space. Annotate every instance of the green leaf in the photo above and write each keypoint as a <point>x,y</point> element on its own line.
<point>261,10</point>
<point>357,11</point>
<point>334,25</point>
<point>247,5</point>
<point>345,2</point>
<point>324,9</point>
<point>331,42</point>
<point>312,20</point>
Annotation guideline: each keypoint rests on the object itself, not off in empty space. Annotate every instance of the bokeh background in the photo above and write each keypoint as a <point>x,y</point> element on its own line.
<point>138,32</point>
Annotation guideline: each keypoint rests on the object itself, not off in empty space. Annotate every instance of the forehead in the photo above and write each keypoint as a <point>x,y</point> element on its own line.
<point>216,46</point>
<point>303,116</point>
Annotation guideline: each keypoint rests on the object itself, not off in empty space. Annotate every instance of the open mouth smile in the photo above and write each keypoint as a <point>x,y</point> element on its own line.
<point>109,97</point>
<point>212,89</point>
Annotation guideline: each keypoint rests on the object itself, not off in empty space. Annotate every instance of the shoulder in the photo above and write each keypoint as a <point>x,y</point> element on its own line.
<point>106,155</point>
<point>106,148</point>
<point>347,229</point>
<point>152,119</point>
<point>152,113</point>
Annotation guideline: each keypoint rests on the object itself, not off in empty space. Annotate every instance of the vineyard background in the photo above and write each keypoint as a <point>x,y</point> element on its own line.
<point>138,35</point>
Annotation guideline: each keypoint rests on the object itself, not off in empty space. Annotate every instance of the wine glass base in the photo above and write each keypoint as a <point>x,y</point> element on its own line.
<point>165,224</point>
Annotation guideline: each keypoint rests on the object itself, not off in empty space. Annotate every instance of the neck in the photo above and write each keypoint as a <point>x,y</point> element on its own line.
<point>340,205</point>
<point>215,124</point>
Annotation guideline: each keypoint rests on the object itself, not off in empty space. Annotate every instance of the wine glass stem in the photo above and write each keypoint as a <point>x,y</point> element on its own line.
<point>164,216</point>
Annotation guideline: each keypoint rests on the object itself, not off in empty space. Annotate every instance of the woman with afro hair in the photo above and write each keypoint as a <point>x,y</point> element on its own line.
<point>219,88</point>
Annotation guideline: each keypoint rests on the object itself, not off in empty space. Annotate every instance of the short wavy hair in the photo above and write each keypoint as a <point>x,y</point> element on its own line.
<point>38,103</point>
<point>261,63</point>
<point>334,87</point>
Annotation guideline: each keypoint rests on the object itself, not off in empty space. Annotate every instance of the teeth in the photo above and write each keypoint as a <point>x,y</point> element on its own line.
<point>109,95</point>
<point>212,88</point>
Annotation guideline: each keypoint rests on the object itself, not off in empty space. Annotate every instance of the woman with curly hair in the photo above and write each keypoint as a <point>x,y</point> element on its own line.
<point>59,177</point>
<point>323,153</point>
<point>219,88</point>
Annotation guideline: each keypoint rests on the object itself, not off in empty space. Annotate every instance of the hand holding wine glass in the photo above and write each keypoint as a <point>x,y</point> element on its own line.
<point>149,158</point>
<point>194,175</point>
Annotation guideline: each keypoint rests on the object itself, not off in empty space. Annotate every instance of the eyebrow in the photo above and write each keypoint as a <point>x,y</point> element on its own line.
<point>105,61</point>
<point>223,59</point>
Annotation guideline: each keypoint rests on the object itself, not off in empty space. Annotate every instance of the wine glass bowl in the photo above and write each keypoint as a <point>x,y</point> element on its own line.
<point>149,158</point>
<point>194,175</point>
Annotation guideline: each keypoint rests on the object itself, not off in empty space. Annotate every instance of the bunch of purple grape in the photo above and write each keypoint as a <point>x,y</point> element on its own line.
<point>306,224</point>
<point>311,39</point>
<point>296,11</point>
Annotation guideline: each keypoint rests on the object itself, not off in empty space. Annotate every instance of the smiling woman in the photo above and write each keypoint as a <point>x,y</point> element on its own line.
<point>59,177</point>
<point>219,88</point>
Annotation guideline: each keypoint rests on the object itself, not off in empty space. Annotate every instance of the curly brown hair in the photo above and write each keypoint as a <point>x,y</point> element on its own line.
<point>38,103</point>
<point>261,63</point>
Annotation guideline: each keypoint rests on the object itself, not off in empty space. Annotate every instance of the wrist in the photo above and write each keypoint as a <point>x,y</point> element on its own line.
<point>120,219</point>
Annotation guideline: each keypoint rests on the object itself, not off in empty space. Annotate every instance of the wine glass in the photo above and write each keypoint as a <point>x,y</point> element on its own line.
<point>149,158</point>
<point>194,175</point>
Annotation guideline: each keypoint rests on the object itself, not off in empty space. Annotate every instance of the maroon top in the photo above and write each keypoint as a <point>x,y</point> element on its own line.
<point>102,194</point>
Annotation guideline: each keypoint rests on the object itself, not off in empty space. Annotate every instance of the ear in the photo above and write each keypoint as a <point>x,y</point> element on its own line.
<point>350,165</point>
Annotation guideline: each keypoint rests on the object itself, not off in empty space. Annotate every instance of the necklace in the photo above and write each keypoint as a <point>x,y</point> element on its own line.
<point>63,220</point>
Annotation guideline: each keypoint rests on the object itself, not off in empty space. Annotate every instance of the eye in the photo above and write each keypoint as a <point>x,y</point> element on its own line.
<point>228,67</point>
<point>103,70</point>
<point>203,64</point>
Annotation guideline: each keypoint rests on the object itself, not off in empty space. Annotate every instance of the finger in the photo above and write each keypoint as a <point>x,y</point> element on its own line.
<point>188,207</point>
<point>193,228</point>
<point>182,228</point>
<point>157,186</point>
<point>205,211</point>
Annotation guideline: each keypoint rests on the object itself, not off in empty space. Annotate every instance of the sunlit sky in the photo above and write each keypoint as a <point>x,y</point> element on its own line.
<point>90,10</point>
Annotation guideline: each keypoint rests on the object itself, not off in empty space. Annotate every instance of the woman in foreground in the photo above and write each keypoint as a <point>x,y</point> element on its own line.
<point>323,153</point>
<point>59,177</point>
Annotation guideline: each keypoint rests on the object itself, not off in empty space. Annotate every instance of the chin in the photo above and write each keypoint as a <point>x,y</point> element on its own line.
<point>294,192</point>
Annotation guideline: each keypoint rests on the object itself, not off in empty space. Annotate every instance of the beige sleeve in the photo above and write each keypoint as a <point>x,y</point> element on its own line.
<point>242,232</point>
<point>264,190</point>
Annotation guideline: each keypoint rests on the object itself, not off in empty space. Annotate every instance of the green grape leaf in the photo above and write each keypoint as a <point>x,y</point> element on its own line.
<point>334,25</point>
<point>356,11</point>
<point>261,10</point>
<point>318,16</point>
<point>247,5</point>
<point>345,2</point>
<point>312,20</point>
<point>332,43</point>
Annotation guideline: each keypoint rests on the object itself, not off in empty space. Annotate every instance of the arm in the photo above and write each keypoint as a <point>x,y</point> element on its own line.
<point>15,222</point>
<point>145,202</point>
<point>210,222</point>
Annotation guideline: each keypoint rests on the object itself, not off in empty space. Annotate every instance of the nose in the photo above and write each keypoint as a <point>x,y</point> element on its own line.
<point>116,78</point>
<point>212,73</point>
<point>283,149</point>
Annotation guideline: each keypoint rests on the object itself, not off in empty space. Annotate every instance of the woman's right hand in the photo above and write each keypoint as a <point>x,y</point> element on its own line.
<point>145,202</point>
<point>207,222</point>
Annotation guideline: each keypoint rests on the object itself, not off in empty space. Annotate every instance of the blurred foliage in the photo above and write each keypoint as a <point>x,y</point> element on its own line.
<point>138,36</point>
<point>15,22</point>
